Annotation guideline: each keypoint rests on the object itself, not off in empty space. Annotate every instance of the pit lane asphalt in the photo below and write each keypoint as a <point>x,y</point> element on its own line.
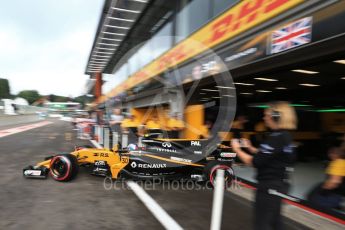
<point>84,203</point>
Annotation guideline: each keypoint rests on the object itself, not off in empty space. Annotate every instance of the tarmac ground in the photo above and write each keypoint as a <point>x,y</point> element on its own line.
<point>85,203</point>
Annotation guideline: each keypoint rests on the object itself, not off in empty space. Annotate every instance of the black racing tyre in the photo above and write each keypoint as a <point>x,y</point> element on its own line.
<point>210,172</point>
<point>64,167</point>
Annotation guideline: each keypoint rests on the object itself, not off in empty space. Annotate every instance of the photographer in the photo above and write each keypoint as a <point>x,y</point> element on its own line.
<point>272,161</point>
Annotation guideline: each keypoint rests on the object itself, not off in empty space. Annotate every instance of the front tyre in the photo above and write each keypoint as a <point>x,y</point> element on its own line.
<point>64,167</point>
<point>211,173</point>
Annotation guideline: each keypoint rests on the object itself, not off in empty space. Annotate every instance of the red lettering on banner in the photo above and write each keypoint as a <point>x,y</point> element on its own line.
<point>219,29</point>
<point>247,13</point>
<point>174,56</point>
<point>274,5</point>
<point>162,62</point>
<point>250,9</point>
<point>179,53</point>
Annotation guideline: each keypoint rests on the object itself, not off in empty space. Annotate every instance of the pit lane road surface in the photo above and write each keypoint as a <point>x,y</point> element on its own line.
<point>84,203</point>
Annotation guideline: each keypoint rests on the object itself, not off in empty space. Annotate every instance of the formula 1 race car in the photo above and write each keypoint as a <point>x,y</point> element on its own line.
<point>157,158</point>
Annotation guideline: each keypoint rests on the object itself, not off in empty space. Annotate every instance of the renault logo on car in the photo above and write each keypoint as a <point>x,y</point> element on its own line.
<point>134,165</point>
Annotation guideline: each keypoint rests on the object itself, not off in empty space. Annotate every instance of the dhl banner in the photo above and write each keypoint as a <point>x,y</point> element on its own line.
<point>242,17</point>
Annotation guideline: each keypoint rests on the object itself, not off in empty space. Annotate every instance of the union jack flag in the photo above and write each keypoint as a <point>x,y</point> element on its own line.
<point>291,35</point>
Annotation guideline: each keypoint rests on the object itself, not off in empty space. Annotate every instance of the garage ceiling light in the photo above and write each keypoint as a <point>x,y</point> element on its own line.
<point>99,59</point>
<point>96,63</point>
<point>121,19</point>
<point>265,79</point>
<point>330,110</point>
<point>224,87</point>
<point>111,39</point>
<point>304,71</point>
<point>282,88</point>
<point>94,69</point>
<point>340,61</point>
<point>263,91</point>
<point>343,78</point>
<point>309,85</point>
<point>241,83</point>
<point>125,10</point>
<point>101,52</point>
<point>227,95</point>
<point>103,56</point>
<point>118,27</point>
<point>142,1</point>
<point>100,48</point>
<point>105,32</point>
<point>211,90</point>
<point>300,105</point>
<point>246,93</point>
<point>106,44</point>
<point>91,61</point>
<point>216,97</point>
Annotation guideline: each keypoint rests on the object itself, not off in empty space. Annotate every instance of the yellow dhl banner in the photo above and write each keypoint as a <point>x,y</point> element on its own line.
<point>243,16</point>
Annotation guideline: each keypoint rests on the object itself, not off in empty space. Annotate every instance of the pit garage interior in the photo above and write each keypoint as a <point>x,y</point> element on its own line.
<point>310,76</point>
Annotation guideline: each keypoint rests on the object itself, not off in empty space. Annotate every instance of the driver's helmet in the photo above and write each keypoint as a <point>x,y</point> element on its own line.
<point>132,147</point>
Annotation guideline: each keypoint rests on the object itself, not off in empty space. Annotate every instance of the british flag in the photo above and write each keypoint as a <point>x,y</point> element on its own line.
<point>291,35</point>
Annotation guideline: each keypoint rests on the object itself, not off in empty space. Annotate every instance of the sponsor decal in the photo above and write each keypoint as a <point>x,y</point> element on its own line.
<point>197,152</point>
<point>227,154</point>
<point>195,143</point>
<point>236,20</point>
<point>164,150</point>
<point>166,144</point>
<point>100,170</point>
<point>32,172</point>
<point>148,166</point>
<point>101,154</point>
<point>181,159</point>
<point>100,163</point>
<point>241,54</point>
<point>133,164</point>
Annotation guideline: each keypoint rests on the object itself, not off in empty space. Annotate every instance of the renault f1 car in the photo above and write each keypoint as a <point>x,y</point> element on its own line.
<point>169,159</point>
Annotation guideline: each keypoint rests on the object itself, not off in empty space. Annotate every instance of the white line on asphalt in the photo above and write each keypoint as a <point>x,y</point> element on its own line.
<point>7,132</point>
<point>161,215</point>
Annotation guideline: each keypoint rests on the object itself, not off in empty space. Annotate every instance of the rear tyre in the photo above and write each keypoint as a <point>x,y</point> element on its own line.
<point>64,167</point>
<point>211,173</point>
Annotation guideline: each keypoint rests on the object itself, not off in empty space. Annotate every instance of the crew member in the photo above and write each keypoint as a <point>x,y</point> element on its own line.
<point>130,125</point>
<point>272,160</point>
<point>175,125</point>
<point>115,121</point>
<point>329,193</point>
<point>154,127</point>
<point>238,126</point>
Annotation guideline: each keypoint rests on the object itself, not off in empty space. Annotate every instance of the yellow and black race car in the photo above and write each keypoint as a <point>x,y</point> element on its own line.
<point>156,158</point>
